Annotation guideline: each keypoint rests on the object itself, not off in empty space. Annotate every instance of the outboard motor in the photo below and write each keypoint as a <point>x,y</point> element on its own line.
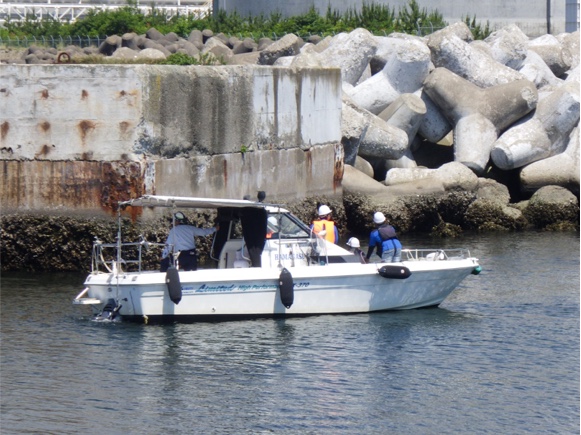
<point>109,311</point>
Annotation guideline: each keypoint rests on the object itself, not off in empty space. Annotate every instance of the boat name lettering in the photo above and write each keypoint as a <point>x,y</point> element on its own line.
<point>290,256</point>
<point>204,288</point>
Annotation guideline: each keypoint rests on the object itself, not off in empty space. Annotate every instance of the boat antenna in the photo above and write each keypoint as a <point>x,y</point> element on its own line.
<point>119,243</point>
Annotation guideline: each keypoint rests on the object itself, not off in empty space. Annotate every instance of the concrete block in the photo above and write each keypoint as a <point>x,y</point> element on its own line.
<point>552,53</point>
<point>371,136</point>
<point>542,134</point>
<point>560,170</point>
<point>537,71</point>
<point>480,113</point>
<point>472,64</point>
<point>404,72</point>
<point>508,46</point>
<point>351,52</point>
<point>288,45</point>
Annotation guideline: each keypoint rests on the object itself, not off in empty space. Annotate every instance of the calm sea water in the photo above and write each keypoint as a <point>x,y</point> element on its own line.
<point>500,356</point>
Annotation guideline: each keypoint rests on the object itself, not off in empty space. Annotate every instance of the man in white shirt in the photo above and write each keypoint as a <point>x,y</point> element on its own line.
<point>181,239</point>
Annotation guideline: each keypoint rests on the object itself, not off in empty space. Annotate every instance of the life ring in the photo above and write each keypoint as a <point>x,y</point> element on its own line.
<point>63,57</point>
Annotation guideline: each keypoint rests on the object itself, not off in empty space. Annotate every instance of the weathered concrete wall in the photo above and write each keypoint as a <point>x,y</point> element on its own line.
<point>85,137</point>
<point>529,15</point>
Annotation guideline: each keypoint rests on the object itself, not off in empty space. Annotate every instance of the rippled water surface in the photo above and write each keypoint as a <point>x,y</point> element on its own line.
<point>501,356</point>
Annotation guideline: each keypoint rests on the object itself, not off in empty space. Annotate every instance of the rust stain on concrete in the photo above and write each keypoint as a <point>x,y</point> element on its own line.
<point>4,129</point>
<point>338,168</point>
<point>225,171</point>
<point>44,126</point>
<point>84,128</point>
<point>44,151</point>
<point>44,94</point>
<point>121,181</point>
<point>84,94</point>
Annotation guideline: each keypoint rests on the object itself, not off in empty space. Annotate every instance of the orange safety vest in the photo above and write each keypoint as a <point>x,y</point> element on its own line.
<point>329,226</point>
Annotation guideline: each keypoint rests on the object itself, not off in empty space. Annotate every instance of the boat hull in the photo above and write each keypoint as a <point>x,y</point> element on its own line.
<point>216,294</point>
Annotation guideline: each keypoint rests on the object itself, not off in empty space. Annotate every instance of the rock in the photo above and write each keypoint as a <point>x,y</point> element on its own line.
<point>288,45</point>
<point>491,190</point>
<point>109,45</point>
<point>151,53</point>
<point>207,34</point>
<point>552,205</point>
<point>487,215</point>
<point>154,34</point>
<point>126,53</point>
<point>217,47</point>
<point>129,40</point>
<point>196,38</point>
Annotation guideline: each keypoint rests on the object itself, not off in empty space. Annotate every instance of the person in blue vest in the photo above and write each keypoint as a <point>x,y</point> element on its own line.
<point>384,238</point>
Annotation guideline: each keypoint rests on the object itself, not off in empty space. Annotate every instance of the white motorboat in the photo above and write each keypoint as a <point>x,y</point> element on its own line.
<point>292,273</point>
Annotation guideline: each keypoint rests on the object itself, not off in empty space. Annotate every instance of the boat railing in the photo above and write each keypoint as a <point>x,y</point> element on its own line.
<point>113,257</point>
<point>426,254</point>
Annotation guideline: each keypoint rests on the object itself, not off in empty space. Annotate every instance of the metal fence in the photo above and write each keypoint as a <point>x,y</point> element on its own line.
<point>50,41</point>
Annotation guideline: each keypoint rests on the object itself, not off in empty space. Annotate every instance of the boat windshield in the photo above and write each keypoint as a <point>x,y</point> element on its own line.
<point>287,226</point>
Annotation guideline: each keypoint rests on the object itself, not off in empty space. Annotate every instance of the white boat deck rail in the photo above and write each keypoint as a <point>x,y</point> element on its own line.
<point>424,254</point>
<point>115,257</point>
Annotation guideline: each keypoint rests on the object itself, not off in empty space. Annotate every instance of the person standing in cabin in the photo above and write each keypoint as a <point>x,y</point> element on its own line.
<point>272,228</point>
<point>182,239</point>
<point>325,223</point>
<point>384,238</point>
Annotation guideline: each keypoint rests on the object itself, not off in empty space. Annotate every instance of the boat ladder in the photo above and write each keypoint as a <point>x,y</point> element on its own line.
<point>82,300</point>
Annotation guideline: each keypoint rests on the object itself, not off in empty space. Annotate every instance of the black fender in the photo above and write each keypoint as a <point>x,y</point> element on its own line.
<point>286,287</point>
<point>174,287</point>
<point>394,271</point>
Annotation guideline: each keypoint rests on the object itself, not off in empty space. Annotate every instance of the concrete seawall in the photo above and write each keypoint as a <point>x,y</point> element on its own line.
<point>79,137</point>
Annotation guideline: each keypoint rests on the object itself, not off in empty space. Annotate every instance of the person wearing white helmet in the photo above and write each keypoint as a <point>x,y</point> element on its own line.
<point>384,238</point>
<point>355,246</point>
<point>325,223</point>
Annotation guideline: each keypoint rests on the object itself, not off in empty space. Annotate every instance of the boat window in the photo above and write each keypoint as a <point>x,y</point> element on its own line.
<point>289,227</point>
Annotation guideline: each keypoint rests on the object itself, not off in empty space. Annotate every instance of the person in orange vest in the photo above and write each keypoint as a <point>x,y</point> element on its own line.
<point>324,222</point>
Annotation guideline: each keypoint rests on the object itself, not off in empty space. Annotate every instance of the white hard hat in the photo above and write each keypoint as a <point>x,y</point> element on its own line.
<point>272,221</point>
<point>353,242</point>
<point>324,210</point>
<point>378,217</point>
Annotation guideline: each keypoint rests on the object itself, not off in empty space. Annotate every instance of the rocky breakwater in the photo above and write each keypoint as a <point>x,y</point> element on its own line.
<point>440,132</point>
<point>431,120</point>
<point>444,132</point>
